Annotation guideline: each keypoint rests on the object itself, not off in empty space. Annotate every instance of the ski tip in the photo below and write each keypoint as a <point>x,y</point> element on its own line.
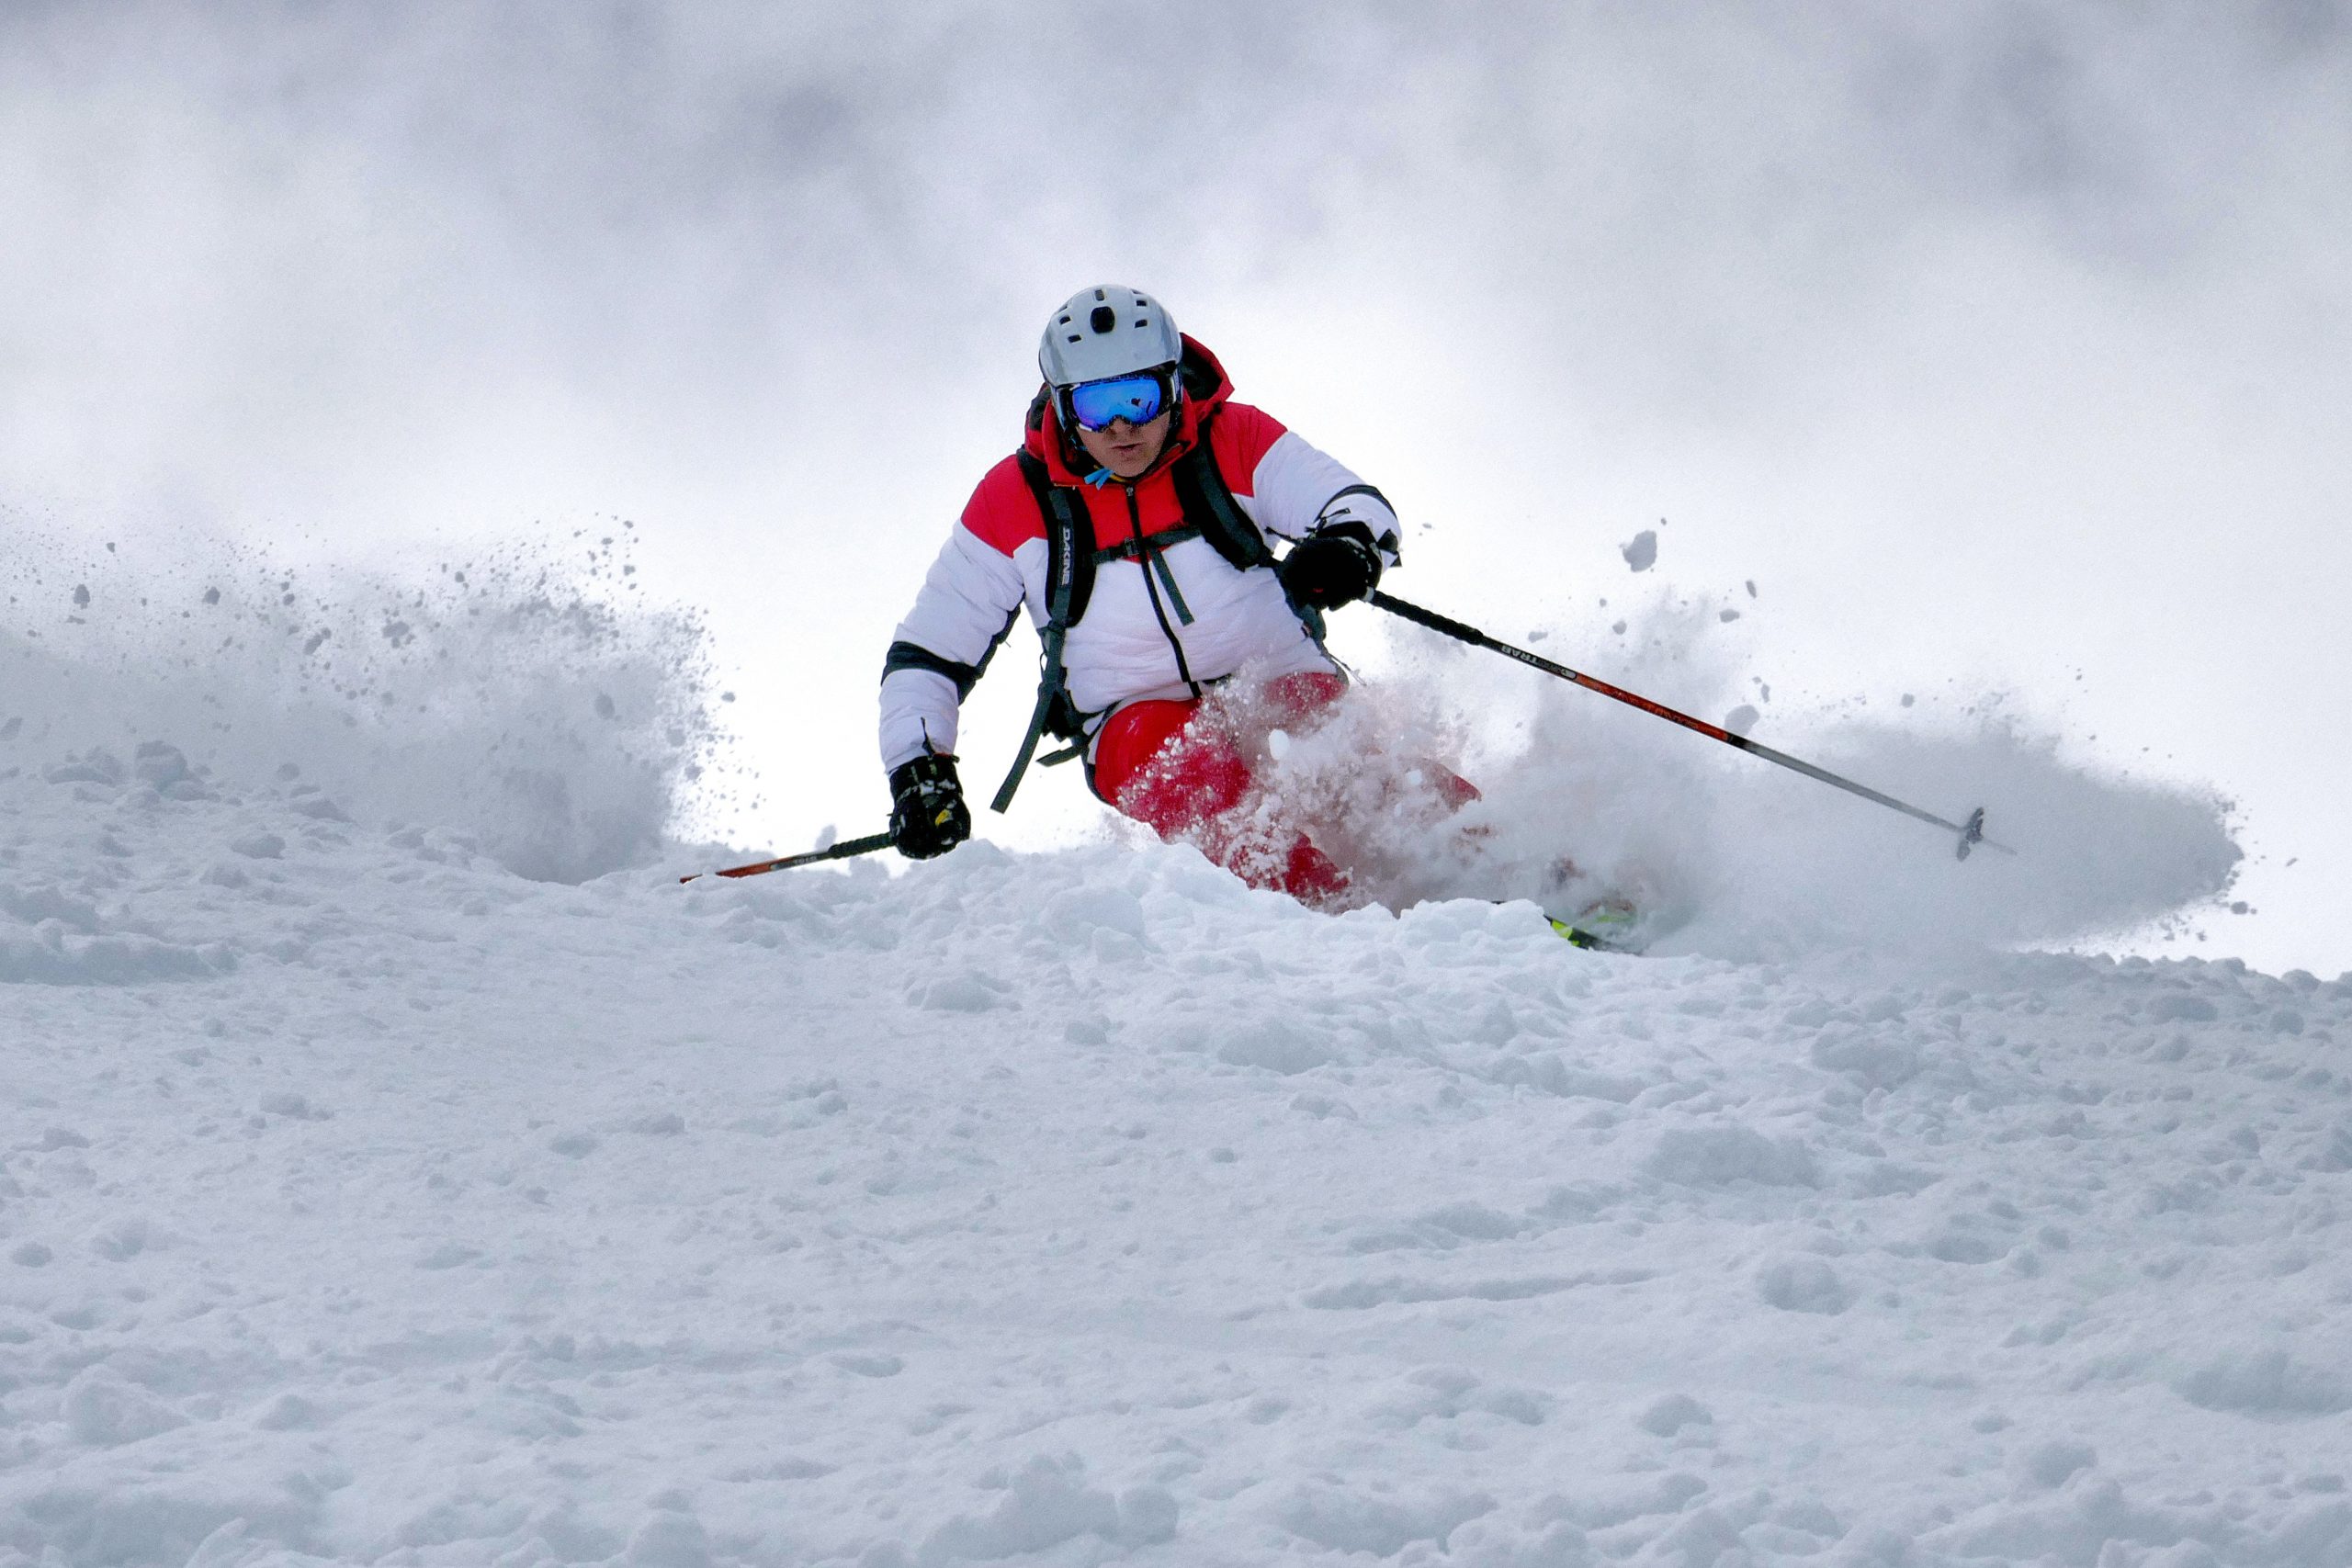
<point>1576,936</point>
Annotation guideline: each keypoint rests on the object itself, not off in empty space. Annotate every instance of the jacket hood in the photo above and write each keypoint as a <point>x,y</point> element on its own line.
<point>1206,387</point>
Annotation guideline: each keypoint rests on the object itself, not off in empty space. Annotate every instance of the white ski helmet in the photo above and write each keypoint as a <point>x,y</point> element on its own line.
<point>1101,332</point>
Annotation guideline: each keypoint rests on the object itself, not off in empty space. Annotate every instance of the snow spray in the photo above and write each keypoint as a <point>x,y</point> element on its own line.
<point>1585,800</point>
<point>527,700</point>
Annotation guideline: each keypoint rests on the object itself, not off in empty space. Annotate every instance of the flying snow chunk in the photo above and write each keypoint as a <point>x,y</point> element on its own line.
<point>1741,719</point>
<point>1641,553</point>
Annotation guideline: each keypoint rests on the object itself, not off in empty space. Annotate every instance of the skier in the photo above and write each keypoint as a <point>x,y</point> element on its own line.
<point>1136,524</point>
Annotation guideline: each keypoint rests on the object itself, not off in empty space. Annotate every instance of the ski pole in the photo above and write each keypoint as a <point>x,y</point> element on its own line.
<point>842,850</point>
<point>1971,832</point>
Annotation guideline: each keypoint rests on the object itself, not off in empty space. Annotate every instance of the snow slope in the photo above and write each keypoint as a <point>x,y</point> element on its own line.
<point>400,1166</point>
<point>362,1200</point>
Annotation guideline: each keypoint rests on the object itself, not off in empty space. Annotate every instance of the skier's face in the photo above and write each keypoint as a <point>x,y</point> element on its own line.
<point>1128,450</point>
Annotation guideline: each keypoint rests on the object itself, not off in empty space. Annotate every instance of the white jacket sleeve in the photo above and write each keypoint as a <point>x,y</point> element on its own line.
<point>1298,490</point>
<point>967,604</point>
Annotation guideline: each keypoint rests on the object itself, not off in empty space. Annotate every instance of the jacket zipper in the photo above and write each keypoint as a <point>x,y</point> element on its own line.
<point>1143,564</point>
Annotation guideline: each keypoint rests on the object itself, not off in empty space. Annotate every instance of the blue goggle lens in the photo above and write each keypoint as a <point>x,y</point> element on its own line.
<point>1135,398</point>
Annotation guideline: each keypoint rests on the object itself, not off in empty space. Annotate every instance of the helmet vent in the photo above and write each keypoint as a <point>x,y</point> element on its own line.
<point>1084,340</point>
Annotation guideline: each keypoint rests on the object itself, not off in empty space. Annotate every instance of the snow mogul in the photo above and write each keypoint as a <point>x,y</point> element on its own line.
<point>1139,523</point>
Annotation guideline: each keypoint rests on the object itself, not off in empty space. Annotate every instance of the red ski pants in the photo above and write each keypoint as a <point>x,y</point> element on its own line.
<point>1178,777</point>
<point>1182,772</point>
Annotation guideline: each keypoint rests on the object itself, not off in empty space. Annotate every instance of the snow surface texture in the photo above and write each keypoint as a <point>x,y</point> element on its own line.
<point>365,1200</point>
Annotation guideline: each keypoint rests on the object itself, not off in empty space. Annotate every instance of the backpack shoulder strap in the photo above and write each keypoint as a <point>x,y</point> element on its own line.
<point>1069,565</point>
<point>1208,503</point>
<point>1070,580</point>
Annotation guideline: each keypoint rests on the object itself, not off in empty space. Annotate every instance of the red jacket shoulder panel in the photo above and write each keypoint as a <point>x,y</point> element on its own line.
<point>1241,435</point>
<point>1002,514</point>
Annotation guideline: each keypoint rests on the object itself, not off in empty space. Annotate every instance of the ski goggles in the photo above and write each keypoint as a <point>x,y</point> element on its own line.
<point>1135,398</point>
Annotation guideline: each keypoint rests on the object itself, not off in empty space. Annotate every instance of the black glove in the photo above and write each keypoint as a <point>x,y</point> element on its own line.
<point>1333,566</point>
<point>928,816</point>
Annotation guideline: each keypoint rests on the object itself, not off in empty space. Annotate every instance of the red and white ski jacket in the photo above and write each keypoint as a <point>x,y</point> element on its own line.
<point>1161,623</point>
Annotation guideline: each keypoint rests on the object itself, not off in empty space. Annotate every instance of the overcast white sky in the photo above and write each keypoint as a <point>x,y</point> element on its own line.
<point>2000,344</point>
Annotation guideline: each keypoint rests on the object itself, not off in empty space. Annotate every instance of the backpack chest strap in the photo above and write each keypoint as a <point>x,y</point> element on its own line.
<point>1154,544</point>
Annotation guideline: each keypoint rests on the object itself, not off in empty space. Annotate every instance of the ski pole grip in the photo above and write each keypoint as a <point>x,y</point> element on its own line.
<point>1430,618</point>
